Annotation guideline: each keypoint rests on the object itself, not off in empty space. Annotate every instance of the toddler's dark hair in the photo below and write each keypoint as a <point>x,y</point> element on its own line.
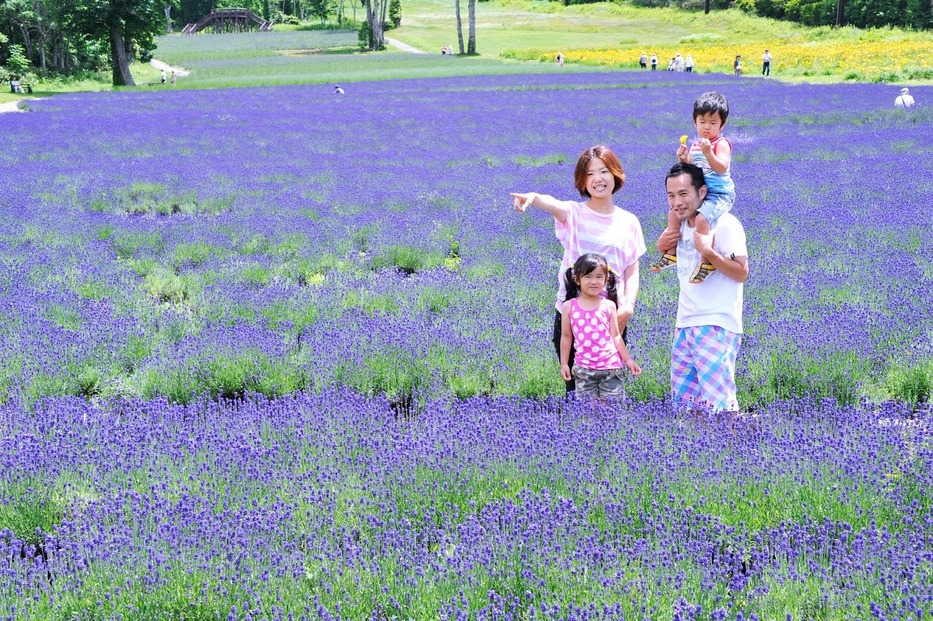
<point>710,102</point>
<point>583,266</point>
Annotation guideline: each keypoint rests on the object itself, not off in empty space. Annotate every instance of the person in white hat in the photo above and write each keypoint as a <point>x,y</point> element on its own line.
<point>904,100</point>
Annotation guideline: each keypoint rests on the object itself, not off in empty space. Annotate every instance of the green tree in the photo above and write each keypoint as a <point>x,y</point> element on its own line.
<point>321,9</point>
<point>190,11</point>
<point>126,25</point>
<point>395,13</point>
<point>920,13</point>
<point>40,27</point>
<point>875,13</point>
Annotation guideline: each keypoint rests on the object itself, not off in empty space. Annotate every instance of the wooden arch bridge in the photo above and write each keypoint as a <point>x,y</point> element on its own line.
<point>229,20</point>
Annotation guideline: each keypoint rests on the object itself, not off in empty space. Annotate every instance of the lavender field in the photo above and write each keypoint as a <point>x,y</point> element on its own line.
<point>273,353</point>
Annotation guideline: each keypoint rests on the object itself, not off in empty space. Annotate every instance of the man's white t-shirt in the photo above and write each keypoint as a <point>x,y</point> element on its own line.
<point>717,301</point>
<point>904,101</point>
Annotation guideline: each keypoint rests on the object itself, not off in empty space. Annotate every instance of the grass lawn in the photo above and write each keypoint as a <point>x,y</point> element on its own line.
<point>517,24</point>
<point>523,36</point>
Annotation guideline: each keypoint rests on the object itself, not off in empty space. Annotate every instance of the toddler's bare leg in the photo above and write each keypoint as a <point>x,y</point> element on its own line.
<point>669,255</point>
<point>704,267</point>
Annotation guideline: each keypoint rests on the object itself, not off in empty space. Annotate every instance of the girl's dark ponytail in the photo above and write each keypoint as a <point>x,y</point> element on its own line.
<point>570,284</point>
<point>612,293</point>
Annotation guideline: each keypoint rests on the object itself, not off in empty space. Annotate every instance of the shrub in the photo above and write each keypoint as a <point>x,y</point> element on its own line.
<point>408,259</point>
<point>17,60</point>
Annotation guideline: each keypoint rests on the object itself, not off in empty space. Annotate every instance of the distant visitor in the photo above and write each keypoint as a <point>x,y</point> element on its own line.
<point>766,63</point>
<point>905,99</point>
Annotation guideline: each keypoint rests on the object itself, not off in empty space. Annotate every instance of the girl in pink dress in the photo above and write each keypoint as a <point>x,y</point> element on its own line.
<point>589,322</point>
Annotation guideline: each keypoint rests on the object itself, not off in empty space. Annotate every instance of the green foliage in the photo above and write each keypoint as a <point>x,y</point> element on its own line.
<point>256,275</point>
<point>408,259</point>
<point>703,37</point>
<point>363,237</point>
<point>522,160</point>
<point>16,59</point>
<point>136,349</point>
<point>155,199</point>
<point>104,233</point>
<point>63,317</point>
<point>908,383</point>
<point>286,19</point>
<point>448,235</point>
<point>792,375</point>
<point>858,13</point>
<point>128,245</point>
<point>32,510</point>
<point>193,255</point>
<point>168,287</point>
<point>223,376</point>
<point>395,13</point>
<point>93,289</point>
<point>371,303</point>
<point>257,244</point>
<point>436,300</point>
<point>398,375</point>
<point>365,36</point>
<point>321,9</point>
<point>299,315</point>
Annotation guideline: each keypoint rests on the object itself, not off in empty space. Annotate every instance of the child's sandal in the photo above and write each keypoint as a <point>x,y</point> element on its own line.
<point>666,261</point>
<point>701,272</point>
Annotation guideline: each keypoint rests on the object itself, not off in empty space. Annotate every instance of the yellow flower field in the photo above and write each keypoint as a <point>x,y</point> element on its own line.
<point>863,59</point>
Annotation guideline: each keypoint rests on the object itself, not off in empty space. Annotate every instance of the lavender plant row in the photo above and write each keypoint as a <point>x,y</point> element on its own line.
<point>282,239</point>
<point>330,506</point>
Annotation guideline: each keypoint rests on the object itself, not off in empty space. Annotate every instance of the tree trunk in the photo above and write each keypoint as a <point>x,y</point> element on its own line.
<point>379,39</point>
<point>42,61</point>
<point>841,13</point>
<point>168,18</point>
<point>369,20</point>
<point>374,13</point>
<point>27,40</point>
<point>706,8</point>
<point>119,59</point>
<point>471,43</point>
<point>459,26</point>
<point>41,42</point>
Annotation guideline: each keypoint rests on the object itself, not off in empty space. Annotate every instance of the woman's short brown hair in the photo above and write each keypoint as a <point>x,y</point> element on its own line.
<point>609,159</point>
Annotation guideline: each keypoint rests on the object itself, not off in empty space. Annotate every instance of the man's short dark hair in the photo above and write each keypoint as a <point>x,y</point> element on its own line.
<point>695,172</point>
<point>710,102</point>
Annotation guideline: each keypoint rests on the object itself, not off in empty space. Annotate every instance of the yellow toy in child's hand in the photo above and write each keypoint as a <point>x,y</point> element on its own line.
<point>683,139</point>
